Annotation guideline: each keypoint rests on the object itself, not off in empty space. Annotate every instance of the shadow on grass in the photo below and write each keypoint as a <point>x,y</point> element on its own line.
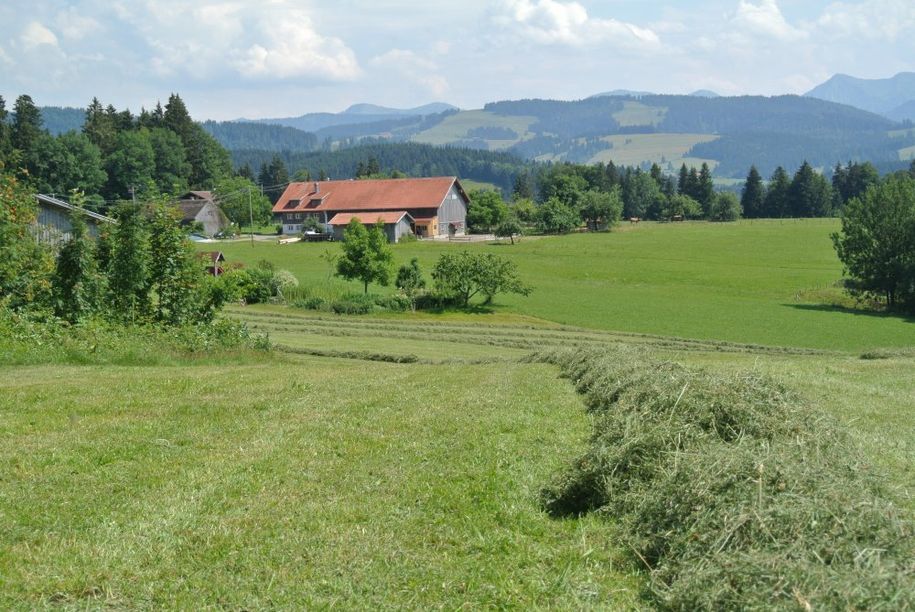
<point>471,309</point>
<point>884,314</point>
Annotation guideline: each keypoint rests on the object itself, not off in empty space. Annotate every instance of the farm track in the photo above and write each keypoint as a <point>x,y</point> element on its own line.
<point>509,336</point>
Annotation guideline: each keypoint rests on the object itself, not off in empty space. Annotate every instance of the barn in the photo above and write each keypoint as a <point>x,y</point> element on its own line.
<point>53,220</point>
<point>396,224</point>
<point>434,207</point>
<point>200,207</point>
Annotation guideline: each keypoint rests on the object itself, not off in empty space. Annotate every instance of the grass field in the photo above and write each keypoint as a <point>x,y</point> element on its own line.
<point>291,480</point>
<point>457,126</point>
<point>296,482</point>
<point>636,113</point>
<point>633,149</point>
<point>320,475</point>
<point>761,282</point>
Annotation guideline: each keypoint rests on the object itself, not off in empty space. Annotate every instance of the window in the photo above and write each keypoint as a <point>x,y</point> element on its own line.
<point>292,204</point>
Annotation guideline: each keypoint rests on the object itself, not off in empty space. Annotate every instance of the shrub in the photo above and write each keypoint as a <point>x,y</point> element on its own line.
<point>397,302</point>
<point>731,491</point>
<point>311,303</point>
<point>354,304</point>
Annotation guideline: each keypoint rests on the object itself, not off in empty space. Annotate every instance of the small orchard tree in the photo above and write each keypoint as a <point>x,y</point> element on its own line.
<point>486,210</point>
<point>601,208</point>
<point>681,205</point>
<point>463,275</point>
<point>509,228</point>
<point>877,242</point>
<point>410,281</point>
<point>725,207</point>
<point>554,217</point>
<point>367,256</point>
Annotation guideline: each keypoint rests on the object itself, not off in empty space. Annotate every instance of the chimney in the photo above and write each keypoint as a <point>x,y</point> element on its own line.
<point>317,187</point>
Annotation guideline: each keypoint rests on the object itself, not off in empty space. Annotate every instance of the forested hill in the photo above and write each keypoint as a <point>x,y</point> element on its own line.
<point>412,159</point>
<point>234,135</point>
<point>62,119</point>
<point>728,133</point>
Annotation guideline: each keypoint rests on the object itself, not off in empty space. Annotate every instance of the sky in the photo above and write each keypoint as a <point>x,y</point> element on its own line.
<point>279,58</point>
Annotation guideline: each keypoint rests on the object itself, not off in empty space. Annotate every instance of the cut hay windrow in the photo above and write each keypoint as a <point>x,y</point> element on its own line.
<point>730,491</point>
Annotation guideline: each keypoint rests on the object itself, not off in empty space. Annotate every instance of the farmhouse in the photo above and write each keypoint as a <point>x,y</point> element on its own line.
<point>200,207</point>
<point>427,207</point>
<point>54,220</point>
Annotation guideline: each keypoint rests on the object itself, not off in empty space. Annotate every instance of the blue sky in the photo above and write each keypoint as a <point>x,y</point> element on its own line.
<point>234,58</point>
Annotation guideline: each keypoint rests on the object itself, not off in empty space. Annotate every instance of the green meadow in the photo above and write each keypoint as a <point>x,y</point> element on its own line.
<point>396,460</point>
<point>770,282</point>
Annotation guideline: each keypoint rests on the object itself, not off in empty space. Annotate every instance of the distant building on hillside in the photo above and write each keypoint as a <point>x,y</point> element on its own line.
<point>200,207</point>
<point>53,223</point>
<point>427,207</point>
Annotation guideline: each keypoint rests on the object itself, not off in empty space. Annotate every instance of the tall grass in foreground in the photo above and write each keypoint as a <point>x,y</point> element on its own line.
<point>730,492</point>
<point>36,340</point>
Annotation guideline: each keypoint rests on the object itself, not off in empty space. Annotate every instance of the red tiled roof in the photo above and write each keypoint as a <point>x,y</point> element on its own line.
<point>369,217</point>
<point>371,194</point>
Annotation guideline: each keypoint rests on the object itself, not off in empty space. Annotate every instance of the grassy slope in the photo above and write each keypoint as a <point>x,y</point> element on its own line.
<point>665,149</point>
<point>739,282</point>
<point>456,127</point>
<point>310,482</point>
<point>245,486</point>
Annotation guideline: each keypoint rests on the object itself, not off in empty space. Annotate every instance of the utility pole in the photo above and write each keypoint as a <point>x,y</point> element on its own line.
<point>251,217</point>
<point>133,194</point>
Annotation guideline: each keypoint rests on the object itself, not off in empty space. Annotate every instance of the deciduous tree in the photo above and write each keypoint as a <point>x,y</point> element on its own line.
<point>367,256</point>
<point>877,242</point>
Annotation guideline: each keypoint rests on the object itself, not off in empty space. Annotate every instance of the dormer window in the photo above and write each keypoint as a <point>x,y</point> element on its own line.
<point>293,204</point>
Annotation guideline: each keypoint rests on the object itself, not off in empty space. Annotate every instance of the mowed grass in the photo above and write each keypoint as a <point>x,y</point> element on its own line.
<point>746,282</point>
<point>302,482</point>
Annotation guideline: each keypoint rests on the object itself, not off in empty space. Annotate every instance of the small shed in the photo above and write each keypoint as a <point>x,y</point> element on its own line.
<point>54,220</point>
<point>396,223</point>
<point>214,261</point>
<point>200,207</point>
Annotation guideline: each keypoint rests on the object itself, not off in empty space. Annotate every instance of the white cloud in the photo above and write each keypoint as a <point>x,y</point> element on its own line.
<point>412,67</point>
<point>35,34</point>
<point>568,23</point>
<point>5,58</point>
<point>74,26</point>
<point>765,19</point>
<point>291,47</point>
<point>882,20</point>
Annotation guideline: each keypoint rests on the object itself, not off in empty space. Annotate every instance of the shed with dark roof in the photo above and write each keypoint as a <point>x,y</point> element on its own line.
<point>200,207</point>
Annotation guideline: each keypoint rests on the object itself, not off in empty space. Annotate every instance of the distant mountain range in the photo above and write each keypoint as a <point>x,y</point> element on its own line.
<point>893,98</point>
<point>354,115</point>
<point>623,126</point>
<point>617,93</point>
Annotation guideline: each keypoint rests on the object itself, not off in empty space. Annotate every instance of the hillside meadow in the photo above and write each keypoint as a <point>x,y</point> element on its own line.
<point>769,282</point>
<point>324,474</point>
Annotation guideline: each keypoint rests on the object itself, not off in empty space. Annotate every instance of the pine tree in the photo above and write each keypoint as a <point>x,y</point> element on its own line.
<point>523,187</point>
<point>26,124</point>
<point>809,194</point>
<point>706,189</point>
<point>776,202</point>
<point>5,143</point>
<point>683,181</point>
<point>752,199</point>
